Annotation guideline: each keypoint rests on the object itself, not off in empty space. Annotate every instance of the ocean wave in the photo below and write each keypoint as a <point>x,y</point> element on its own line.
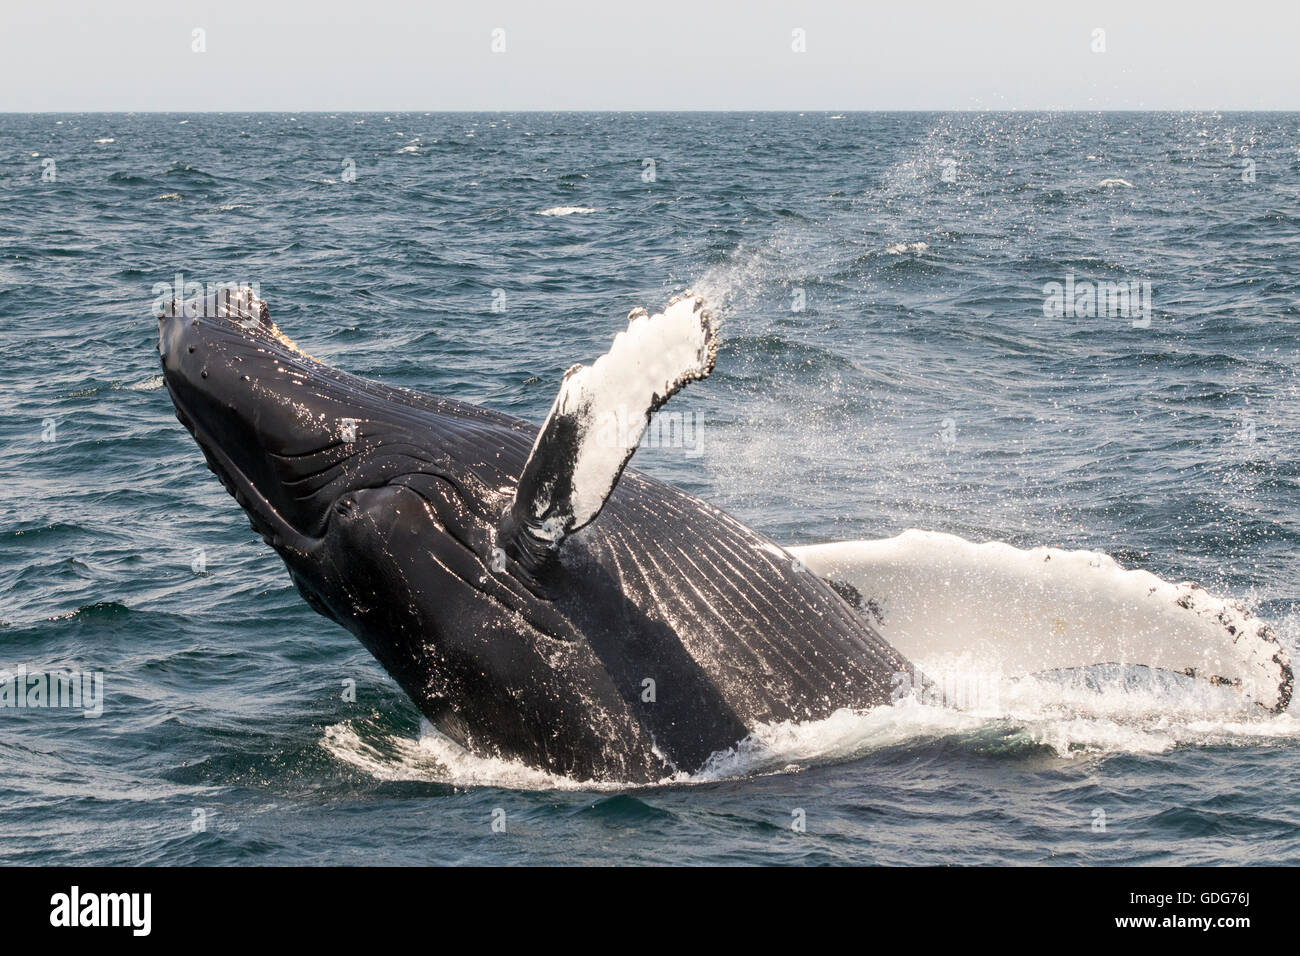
<point>98,611</point>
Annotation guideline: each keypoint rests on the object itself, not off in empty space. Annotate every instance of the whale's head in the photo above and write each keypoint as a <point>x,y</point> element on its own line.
<point>306,449</point>
<point>239,387</point>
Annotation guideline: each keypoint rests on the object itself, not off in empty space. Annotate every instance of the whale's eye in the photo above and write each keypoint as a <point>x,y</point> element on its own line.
<point>344,506</point>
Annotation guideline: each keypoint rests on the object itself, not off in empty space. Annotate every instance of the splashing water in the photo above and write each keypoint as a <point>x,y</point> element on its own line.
<point>1090,713</point>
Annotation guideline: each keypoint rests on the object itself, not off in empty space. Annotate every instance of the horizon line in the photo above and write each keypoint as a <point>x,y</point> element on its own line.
<point>688,109</point>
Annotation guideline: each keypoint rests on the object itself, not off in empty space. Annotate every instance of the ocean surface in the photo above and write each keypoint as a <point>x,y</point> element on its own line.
<point>888,362</point>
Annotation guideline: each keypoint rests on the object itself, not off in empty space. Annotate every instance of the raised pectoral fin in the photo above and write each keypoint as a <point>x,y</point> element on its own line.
<point>597,421</point>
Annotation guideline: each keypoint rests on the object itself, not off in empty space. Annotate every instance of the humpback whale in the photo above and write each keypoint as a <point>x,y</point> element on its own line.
<point>537,599</point>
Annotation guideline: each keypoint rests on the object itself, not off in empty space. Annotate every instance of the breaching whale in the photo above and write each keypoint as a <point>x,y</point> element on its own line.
<point>535,598</point>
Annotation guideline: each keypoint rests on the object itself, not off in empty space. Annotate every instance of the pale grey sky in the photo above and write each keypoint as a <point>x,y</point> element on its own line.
<point>679,54</point>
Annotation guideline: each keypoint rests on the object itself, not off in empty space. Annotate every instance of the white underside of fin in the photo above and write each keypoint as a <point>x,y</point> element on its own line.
<point>611,400</point>
<point>939,598</point>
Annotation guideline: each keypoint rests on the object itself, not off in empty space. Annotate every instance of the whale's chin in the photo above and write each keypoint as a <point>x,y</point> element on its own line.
<point>235,462</point>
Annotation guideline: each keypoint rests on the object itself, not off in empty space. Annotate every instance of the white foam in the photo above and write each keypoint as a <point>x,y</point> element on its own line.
<point>899,248</point>
<point>151,384</point>
<point>1070,723</point>
<point>566,211</point>
<point>433,758</point>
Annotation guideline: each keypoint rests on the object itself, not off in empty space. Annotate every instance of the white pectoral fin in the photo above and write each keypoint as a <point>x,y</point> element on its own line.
<point>936,596</point>
<point>597,421</point>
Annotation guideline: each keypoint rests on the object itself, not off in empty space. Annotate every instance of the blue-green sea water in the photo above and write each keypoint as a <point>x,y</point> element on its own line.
<point>887,363</point>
